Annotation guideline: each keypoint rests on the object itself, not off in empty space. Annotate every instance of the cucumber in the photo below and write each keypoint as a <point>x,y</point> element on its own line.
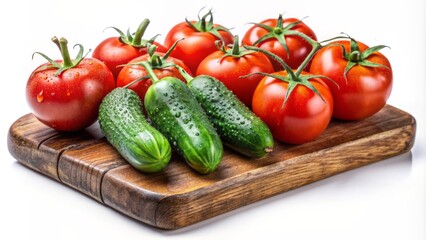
<point>238,127</point>
<point>176,113</point>
<point>122,122</point>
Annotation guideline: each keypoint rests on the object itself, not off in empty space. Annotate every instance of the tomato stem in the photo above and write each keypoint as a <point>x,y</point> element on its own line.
<point>166,55</point>
<point>63,45</point>
<point>150,71</point>
<point>206,25</point>
<point>236,46</point>
<point>137,40</point>
<point>278,31</point>
<point>67,63</point>
<point>184,73</point>
<point>355,56</point>
<point>203,25</point>
<point>315,47</point>
<point>273,56</point>
<point>55,40</point>
<point>135,81</point>
<point>203,22</point>
<point>156,61</point>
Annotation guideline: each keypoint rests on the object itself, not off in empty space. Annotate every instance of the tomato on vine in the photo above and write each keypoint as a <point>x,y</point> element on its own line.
<point>117,51</point>
<point>282,38</point>
<point>66,94</point>
<point>199,39</point>
<point>231,62</point>
<point>162,64</point>
<point>363,76</point>
<point>297,106</point>
<point>294,112</point>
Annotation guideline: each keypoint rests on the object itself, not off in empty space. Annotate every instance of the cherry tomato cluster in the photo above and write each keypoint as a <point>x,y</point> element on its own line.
<point>294,83</point>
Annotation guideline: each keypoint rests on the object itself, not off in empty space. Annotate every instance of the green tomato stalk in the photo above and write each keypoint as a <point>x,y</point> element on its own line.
<point>356,57</point>
<point>155,61</point>
<point>206,25</point>
<point>136,39</point>
<point>233,50</point>
<point>67,62</point>
<point>293,78</point>
<point>279,32</point>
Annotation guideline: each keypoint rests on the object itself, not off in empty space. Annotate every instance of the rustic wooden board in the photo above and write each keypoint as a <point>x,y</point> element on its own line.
<point>178,196</point>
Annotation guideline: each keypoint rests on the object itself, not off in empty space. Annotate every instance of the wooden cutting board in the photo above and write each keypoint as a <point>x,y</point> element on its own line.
<point>178,196</point>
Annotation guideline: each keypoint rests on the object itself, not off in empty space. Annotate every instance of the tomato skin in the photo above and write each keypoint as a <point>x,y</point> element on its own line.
<point>298,47</point>
<point>132,72</point>
<point>302,118</point>
<point>366,89</point>
<point>195,46</point>
<point>69,101</point>
<point>229,70</point>
<point>113,52</point>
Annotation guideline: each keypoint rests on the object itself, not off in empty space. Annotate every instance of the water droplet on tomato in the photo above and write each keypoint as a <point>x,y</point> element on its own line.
<point>68,92</point>
<point>40,96</point>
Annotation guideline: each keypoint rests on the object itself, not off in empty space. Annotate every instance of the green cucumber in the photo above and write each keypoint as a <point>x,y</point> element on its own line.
<point>176,113</point>
<point>122,122</point>
<point>238,127</point>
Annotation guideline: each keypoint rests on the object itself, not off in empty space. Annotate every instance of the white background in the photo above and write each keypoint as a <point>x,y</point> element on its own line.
<point>385,200</point>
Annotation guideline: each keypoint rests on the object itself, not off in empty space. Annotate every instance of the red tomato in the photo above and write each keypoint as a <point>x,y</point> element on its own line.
<point>302,118</point>
<point>115,51</point>
<point>229,68</point>
<point>70,100</point>
<point>298,48</point>
<point>365,89</point>
<point>199,40</point>
<point>132,72</point>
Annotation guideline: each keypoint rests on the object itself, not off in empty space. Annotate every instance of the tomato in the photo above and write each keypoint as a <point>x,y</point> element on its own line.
<point>229,64</point>
<point>116,51</point>
<point>68,99</point>
<point>134,71</point>
<point>198,40</point>
<point>302,117</point>
<point>360,91</point>
<point>275,35</point>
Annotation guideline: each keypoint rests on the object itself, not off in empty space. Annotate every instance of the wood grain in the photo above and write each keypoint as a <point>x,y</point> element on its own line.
<point>178,196</point>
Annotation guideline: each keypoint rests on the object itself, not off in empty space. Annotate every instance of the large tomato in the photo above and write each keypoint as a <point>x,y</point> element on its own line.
<point>198,40</point>
<point>66,95</point>
<point>302,117</point>
<point>229,65</point>
<point>278,36</point>
<point>116,51</point>
<point>363,76</point>
<point>135,71</point>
